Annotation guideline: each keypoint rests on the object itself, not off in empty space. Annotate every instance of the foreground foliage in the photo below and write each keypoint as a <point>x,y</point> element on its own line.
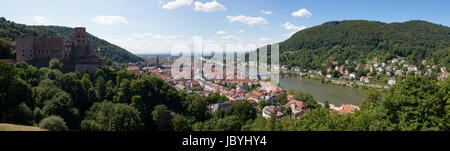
<point>115,100</point>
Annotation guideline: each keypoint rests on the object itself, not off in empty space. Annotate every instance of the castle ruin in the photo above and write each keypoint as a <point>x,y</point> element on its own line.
<point>76,53</point>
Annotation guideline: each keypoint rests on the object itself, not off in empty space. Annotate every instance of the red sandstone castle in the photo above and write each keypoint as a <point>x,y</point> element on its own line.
<point>76,53</point>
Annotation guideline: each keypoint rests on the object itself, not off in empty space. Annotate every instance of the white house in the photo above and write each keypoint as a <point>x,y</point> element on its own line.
<point>392,81</point>
<point>352,75</point>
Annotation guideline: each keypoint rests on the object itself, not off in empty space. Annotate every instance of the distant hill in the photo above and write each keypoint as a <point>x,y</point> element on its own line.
<point>9,30</point>
<point>361,40</point>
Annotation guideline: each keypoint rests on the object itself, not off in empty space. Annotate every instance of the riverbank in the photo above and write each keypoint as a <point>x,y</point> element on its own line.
<point>345,83</point>
<point>322,92</point>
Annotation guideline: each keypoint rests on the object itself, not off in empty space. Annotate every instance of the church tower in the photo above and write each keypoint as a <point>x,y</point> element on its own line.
<point>157,61</point>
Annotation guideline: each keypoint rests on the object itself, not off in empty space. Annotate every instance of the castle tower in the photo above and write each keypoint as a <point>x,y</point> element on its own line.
<point>80,37</point>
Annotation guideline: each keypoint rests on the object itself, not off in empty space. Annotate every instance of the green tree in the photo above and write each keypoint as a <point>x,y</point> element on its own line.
<point>415,104</point>
<point>197,108</point>
<point>53,123</point>
<point>15,96</point>
<point>371,97</point>
<point>123,91</point>
<point>109,90</point>
<point>444,92</point>
<point>216,98</point>
<point>327,105</point>
<point>162,118</point>
<point>307,98</point>
<point>181,123</point>
<point>61,105</point>
<point>244,110</point>
<point>288,112</point>
<point>100,88</point>
<point>6,52</point>
<point>281,98</point>
<point>121,97</point>
<point>107,116</point>
<point>263,104</point>
<point>229,123</point>
<point>55,64</point>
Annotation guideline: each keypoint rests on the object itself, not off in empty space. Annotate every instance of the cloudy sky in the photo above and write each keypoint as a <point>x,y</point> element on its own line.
<point>149,26</point>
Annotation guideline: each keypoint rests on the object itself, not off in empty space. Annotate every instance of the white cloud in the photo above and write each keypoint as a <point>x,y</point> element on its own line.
<point>266,12</point>
<point>41,20</point>
<point>263,39</point>
<point>221,32</point>
<point>289,26</point>
<point>140,36</point>
<point>209,7</point>
<point>228,37</point>
<point>302,13</point>
<point>109,20</point>
<point>293,28</point>
<point>248,20</point>
<point>240,31</point>
<point>153,36</point>
<point>150,45</point>
<point>159,36</point>
<point>177,4</point>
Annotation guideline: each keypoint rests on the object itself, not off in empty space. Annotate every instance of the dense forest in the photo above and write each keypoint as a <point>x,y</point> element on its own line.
<point>9,30</point>
<point>112,99</point>
<point>360,40</point>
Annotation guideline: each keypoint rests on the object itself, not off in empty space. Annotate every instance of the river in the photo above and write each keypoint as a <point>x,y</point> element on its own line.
<point>336,95</point>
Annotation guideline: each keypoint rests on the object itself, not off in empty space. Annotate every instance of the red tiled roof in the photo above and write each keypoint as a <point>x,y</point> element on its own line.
<point>251,101</point>
<point>290,97</point>
<point>255,93</point>
<point>299,104</point>
<point>347,109</point>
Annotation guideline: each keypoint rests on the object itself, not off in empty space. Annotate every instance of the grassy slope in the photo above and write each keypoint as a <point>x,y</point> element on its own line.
<point>12,127</point>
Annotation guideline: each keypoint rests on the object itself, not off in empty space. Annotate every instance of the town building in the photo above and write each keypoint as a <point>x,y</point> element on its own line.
<point>345,109</point>
<point>268,110</point>
<point>392,81</point>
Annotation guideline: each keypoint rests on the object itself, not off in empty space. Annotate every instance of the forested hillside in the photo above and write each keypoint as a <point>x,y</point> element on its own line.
<point>9,30</point>
<point>360,40</point>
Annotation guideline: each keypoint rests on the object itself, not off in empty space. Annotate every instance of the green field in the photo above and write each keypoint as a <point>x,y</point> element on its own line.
<point>12,127</point>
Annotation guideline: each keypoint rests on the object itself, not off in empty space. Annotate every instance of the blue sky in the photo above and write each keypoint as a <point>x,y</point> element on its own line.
<point>149,26</point>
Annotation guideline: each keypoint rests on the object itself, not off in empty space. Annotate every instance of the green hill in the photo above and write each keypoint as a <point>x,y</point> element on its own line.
<point>9,30</point>
<point>361,40</point>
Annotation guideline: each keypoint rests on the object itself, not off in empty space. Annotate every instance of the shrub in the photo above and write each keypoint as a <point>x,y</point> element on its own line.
<point>53,123</point>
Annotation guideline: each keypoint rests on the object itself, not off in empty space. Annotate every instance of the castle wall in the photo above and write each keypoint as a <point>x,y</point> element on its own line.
<point>90,68</point>
<point>94,50</point>
<point>49,48</point>
<point>24,48</point>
